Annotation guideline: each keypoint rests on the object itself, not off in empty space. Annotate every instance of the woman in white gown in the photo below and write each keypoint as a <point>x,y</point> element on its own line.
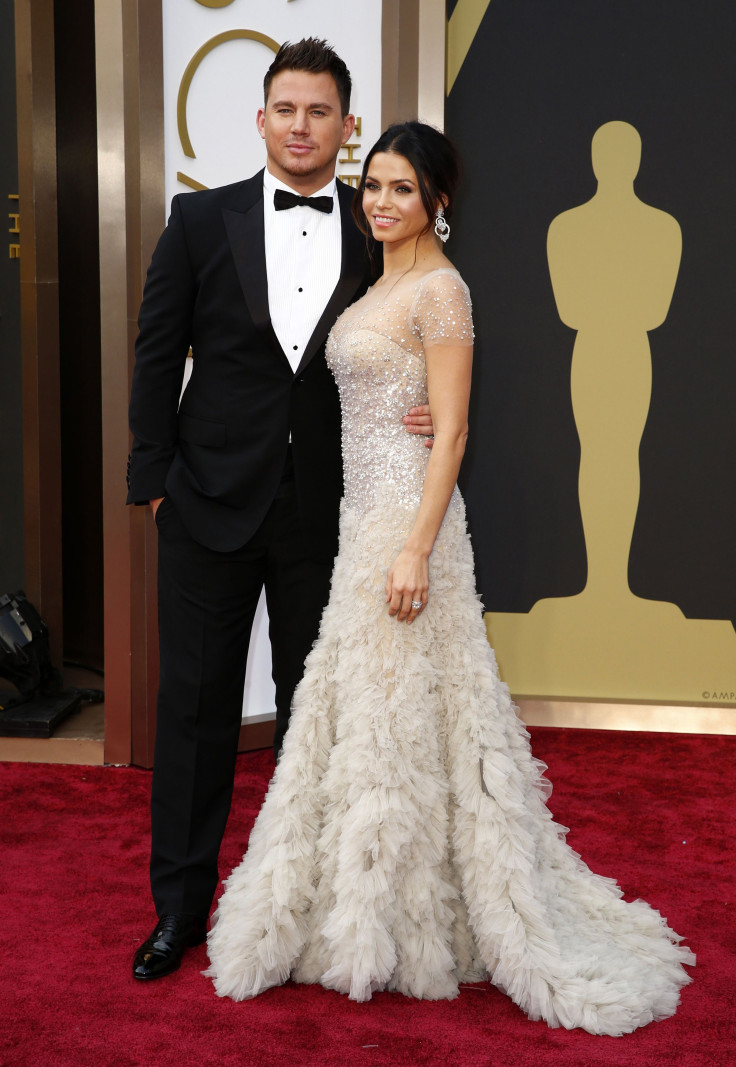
<point>405,842</point>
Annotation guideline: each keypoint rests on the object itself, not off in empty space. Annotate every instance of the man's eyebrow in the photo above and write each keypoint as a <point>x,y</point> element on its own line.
<point>290,103</point>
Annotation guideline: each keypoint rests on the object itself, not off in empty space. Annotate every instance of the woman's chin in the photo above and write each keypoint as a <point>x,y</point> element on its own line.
<point>385,234</point>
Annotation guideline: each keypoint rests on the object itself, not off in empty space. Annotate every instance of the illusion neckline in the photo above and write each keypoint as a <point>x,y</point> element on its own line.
<point>422,278</point>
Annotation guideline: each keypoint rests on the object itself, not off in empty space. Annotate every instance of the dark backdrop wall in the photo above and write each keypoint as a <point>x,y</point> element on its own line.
<point>11,421</point>
<point>538,81</point>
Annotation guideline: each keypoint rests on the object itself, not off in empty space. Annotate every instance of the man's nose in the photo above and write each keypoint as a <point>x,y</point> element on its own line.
<point>300,120</point>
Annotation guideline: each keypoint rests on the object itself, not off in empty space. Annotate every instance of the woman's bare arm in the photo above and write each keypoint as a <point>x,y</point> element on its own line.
<point>448,381</point>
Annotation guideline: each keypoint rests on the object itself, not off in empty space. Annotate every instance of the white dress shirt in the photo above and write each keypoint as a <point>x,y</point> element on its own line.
<point>303,260</point>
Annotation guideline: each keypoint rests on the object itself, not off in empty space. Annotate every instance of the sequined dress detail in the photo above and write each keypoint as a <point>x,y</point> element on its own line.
<point>405,842</point>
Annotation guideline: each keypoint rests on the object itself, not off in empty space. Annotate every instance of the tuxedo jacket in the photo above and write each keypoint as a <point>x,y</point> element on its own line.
<point>219,455</point>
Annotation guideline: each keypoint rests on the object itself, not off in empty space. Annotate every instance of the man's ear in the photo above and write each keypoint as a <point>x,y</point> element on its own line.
<point>261,122</point>
<point>348,126</point>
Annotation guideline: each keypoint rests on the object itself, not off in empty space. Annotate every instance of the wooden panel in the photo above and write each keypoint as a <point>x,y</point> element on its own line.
<point>256,735</point>
<point>34,43</point>
<point>399,67</point>
<point>130,153</point>
<point>146,217</point>
<point>658,718</point>
<point>11,393</point>
<point>80,751</point>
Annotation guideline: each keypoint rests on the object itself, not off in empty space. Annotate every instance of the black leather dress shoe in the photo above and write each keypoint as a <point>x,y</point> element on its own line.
<point>162,952</point>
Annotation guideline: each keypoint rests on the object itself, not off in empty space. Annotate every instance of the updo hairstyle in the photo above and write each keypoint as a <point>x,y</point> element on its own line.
<point>435,161</point>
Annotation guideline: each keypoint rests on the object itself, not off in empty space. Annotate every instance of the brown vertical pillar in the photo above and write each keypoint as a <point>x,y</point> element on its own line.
<point>400,59</point>
<point>413,36</point>
<point>146,219</point>
<point>130,147</point>
<point>39,298</point>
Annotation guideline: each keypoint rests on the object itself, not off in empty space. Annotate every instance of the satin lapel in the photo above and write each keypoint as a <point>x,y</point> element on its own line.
<point>353,273</point>
<point>245,232</point>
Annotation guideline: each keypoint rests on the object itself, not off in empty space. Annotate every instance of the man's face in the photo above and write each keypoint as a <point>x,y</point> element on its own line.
<point>303,128</point>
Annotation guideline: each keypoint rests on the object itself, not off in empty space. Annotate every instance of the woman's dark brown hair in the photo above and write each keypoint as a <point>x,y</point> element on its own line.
<point>435,161</point>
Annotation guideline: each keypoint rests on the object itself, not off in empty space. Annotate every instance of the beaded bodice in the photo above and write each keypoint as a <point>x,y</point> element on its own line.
<point>376,353</point>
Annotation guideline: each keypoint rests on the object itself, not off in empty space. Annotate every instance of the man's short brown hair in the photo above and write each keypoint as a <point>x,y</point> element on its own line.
<point>316,57</point>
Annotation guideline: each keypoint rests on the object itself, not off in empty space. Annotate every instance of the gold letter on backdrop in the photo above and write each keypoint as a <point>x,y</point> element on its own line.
<point>613,264</point>
<point>191,70</point>
<point>193,65</point>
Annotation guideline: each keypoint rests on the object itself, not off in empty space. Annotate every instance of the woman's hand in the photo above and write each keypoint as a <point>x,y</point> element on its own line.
<point>408,580</point>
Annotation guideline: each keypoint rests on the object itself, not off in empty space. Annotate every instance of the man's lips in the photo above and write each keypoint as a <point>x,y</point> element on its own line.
<point>299,148</point>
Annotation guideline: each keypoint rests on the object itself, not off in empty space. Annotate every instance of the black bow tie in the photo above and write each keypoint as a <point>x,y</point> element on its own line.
<point>283,200</point>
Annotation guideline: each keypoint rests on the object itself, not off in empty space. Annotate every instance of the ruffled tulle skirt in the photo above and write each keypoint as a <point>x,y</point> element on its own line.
<point>405,842</point>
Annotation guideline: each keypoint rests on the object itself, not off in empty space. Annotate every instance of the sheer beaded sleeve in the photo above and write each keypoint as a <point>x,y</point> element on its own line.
<point>442,313</point>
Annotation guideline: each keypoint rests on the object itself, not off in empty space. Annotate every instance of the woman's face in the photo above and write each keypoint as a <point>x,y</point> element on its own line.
<point>391,199</point>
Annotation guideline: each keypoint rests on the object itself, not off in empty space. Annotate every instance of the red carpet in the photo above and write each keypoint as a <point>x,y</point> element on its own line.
<point>656,811</point>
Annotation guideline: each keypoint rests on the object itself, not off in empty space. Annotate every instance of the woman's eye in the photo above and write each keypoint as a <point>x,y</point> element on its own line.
<point>371,186</point>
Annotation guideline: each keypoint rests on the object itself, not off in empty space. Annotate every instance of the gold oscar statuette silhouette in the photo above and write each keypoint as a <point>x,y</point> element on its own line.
<point>613,264</point>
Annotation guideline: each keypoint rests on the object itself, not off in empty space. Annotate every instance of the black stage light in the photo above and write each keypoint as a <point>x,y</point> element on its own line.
<point>40,702</point>
<point>24,650</point>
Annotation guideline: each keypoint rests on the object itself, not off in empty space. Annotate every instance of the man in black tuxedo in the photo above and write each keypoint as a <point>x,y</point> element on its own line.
<point>245,475</point>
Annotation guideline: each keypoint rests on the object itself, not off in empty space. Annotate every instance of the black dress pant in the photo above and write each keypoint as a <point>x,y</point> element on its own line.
<point>207,602</point>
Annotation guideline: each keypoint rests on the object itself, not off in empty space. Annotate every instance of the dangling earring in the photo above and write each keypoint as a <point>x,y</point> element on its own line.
<point>441,225</point>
